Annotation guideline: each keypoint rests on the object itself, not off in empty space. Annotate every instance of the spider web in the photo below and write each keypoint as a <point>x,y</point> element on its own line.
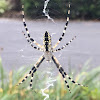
<point>26,56</point>
<point>50,73</point>
<point>50,82</point>
<point>29,58</point>
<point>46,12</point>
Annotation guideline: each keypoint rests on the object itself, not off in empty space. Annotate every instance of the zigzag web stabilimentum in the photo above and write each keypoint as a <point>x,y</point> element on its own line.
<point>46,11</point>
<point>51,80</point>
<point>49,84</point>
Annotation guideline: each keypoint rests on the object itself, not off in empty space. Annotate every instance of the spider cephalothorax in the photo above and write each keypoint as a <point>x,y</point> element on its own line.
<point>48,50</point>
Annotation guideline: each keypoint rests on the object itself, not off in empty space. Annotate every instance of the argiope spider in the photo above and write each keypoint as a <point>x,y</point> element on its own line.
<point>48,52</point>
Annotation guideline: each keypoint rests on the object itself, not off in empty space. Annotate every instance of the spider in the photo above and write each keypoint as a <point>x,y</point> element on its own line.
<point>48,51</point>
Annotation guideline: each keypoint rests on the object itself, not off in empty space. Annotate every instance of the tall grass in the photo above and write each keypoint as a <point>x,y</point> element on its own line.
<point>87,76</point>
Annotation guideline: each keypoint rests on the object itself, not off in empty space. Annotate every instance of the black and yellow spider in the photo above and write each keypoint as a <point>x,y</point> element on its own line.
<point>48,52</point>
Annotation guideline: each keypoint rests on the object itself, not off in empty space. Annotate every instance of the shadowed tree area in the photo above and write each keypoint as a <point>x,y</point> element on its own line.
<point>15,4</point>
<point>80,9</point>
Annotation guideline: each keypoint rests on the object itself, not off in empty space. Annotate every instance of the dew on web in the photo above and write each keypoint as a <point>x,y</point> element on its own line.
<point>59,55</point>
<point>21,50</point>
<point>52,34</point>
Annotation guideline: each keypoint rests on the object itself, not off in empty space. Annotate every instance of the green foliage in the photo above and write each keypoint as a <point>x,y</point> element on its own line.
<point>9,91</point>
<point>34,9</point>
<point>86,9</point>
<point>3,6</point>
<point>58,8</point>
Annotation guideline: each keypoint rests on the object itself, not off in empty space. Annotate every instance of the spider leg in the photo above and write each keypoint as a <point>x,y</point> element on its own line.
<point>38,64</point>
<point>33,70</point>
<point>24,79</point>
<point>62,73</point>
<point>31,80</point>
<point>64,29</point>
<point>72,79</point>
<point>28,34</point>
<point>30,42</point>
<point>64,45</point>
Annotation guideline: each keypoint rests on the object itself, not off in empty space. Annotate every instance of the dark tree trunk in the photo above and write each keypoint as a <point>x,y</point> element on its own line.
<point>15,4</point>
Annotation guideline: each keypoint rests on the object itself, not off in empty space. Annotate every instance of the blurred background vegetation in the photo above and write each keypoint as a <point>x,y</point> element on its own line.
<point>80,9</point>
<point>9,91</point>
<point>3,6</point>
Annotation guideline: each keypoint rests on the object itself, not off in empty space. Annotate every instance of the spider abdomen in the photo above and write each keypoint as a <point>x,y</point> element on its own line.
<point>48,55</point>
